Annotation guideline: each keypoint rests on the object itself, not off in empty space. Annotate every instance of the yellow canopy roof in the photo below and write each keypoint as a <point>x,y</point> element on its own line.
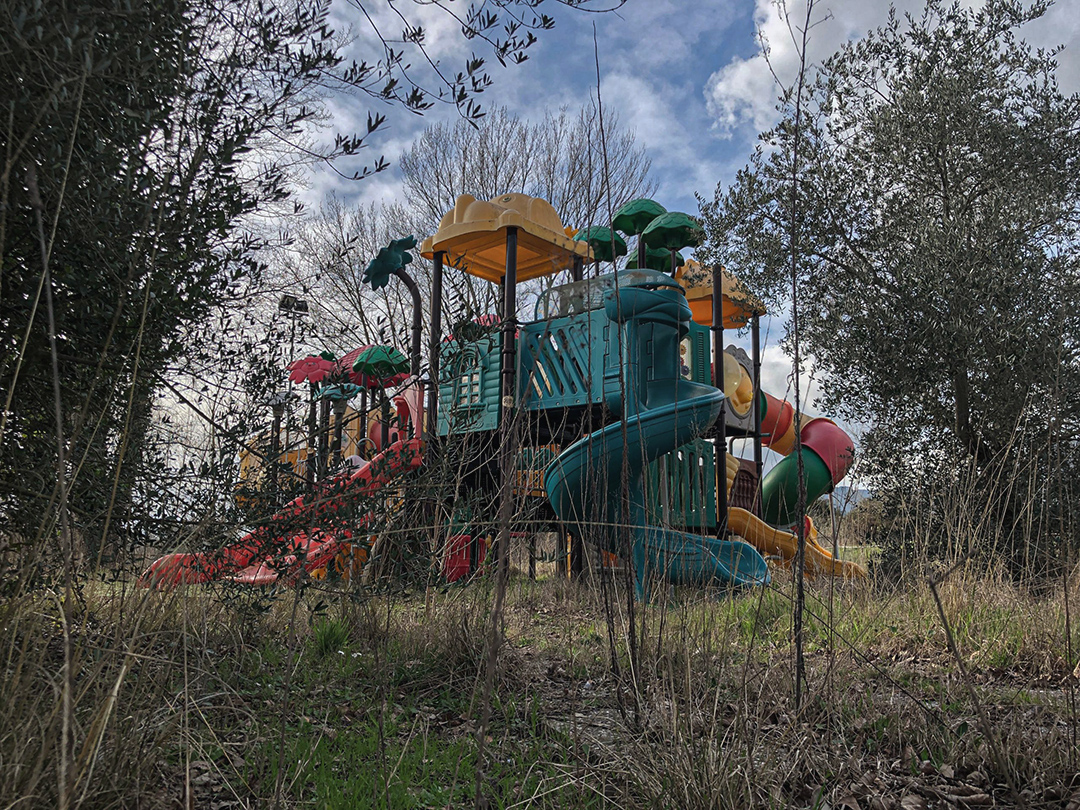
<point>739,305</point>
<point>473,235</point>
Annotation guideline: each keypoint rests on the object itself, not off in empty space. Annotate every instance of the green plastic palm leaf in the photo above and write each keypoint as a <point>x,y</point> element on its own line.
<point>391,258</point>
<point>605,244</point>
<point>673,230</point>
<point>634,217</point>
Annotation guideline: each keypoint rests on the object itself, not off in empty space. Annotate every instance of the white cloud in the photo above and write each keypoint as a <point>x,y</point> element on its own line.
<point>744,90</point>
<point>742,93</point>
<point>655,89</point>
<point>671,131</point>
<point>658,38</point>
<point>686,77</point>
<point>377,22</point>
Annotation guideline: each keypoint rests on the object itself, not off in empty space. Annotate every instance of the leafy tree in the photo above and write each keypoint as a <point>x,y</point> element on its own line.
<point>938,208</point>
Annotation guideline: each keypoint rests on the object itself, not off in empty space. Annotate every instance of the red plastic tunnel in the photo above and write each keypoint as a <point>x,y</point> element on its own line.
<point>777,418</point>
<point>831,444</point>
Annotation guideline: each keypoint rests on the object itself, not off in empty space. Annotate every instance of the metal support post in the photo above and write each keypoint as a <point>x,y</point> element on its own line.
<point>434,346</point>
<point>275,448</point>
<point>561,551</point>
<point>362,446</point>
<point>507,411</point>
<point>577,555</point>
<point>324,437</point>
<point>718,381</point>
<point>755,337</point>
<point>384,419</point>
<point>417,321</point>
<point>337,456</point>
<point>312,454</point>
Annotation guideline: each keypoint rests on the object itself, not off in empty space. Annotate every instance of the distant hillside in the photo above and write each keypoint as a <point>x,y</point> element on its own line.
<point>847,498</point>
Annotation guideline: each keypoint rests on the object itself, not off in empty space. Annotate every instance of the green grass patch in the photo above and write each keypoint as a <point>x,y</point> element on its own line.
<point>411,764</point>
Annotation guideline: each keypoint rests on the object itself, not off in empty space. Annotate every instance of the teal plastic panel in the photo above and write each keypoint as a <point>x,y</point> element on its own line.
<point>561,361</point>
<point>691,487</point>
<point>469,386</point>
<point>697,359</point>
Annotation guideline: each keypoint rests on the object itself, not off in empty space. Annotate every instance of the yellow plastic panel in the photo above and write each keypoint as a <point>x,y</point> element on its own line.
<point>738,306</point>
<point>786,443</point>
<point>774,542</point>
<point>473,235</point>
<point>738,387</point>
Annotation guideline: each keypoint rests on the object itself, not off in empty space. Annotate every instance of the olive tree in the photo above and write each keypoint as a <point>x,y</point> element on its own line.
<point>938,198</point>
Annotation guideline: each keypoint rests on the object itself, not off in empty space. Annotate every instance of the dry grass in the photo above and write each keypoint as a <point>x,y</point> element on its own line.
<point>190,698</point>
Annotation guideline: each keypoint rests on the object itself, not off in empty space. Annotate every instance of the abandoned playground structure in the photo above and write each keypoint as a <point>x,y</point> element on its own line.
<point>610,412</point>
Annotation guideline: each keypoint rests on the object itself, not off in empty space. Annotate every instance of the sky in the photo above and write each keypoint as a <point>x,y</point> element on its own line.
<point>688,77</point>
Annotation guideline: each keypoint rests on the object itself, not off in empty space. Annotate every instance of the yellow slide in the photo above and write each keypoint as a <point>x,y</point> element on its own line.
<point>770,541</point>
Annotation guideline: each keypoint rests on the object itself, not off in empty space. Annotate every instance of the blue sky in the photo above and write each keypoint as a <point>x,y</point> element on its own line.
<point>657,89</point>
<point>687,76</point>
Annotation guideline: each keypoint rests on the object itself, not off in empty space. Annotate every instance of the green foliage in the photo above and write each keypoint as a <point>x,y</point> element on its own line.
<point>93,93</point>
<point>329,637</point>
<point>142,152</point>
<point>938,200</point>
